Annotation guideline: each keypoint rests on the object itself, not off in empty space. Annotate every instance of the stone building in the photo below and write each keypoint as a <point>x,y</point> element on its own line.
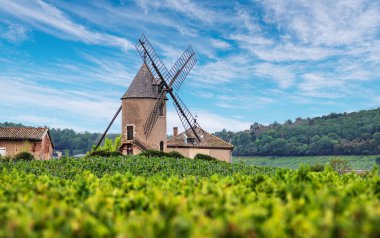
<point>37,141</point>
<point>137,104</point>
<point>210,145</point>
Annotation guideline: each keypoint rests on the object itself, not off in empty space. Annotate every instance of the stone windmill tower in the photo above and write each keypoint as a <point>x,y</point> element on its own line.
<point>137,104</point>
<point>144,104</point>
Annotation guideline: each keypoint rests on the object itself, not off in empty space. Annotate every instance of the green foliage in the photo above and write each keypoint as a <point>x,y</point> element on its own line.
<point>141,197</point>
<point>75,142</point>
<point>341,166</point>
<point>110,145</point>
<point>110,148</point>
<point>356,133</point>
<point>317,168</point>
<point>26,156</point>
<point>357,162</point>
<point>5,158</point>
<point>104,153</point>
<point>204,157</point>
<point>68,168</point>
<point>174,154</point>
<point>160,154</point>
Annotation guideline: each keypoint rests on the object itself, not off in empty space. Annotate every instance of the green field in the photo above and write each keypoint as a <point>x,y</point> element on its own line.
<point>357,162</point>
<point>166,197</point>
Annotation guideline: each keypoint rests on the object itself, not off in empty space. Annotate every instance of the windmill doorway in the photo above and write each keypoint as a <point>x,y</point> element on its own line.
<point>161,146</point>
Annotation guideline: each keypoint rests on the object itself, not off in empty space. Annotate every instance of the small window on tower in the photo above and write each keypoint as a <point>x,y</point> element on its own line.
<point>129,132</point>
<point>162,106</point>
<point>161,146</point>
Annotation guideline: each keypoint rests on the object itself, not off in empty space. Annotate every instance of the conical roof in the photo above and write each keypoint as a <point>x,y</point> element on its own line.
<point>142,85</point>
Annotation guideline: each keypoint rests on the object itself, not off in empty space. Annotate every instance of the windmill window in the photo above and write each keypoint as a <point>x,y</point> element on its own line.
<point>161,109</point>
<point>129,132</point>
<point>190,140</point>
<point>161,146</point>
<point>3,151</point>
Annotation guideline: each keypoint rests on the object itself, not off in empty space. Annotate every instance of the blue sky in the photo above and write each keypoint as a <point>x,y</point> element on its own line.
<point>67,63</point>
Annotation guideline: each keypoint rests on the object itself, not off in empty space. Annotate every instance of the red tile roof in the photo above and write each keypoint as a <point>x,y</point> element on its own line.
<point>208,141</point>
<point>22,133</point>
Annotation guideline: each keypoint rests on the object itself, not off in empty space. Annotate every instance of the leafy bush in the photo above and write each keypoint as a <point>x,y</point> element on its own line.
<point>23,156</point>
<point>317,168</point>
<point>341,166</point>
<point>175,154</point>
<point>110,148</point>
<point>160,154</point>
<point>204,157</point>
<point>5,158</point>
<point>104,153</point>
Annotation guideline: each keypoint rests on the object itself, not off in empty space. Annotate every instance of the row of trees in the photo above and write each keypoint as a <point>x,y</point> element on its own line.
<point>346,133</point>
<point>74,142</point>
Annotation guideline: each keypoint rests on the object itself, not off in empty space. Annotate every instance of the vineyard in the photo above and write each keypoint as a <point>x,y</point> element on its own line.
<point>163,197</point>
<point>356,162</point>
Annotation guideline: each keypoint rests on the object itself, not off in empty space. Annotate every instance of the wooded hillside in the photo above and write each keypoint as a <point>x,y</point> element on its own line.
<point>353,133</point>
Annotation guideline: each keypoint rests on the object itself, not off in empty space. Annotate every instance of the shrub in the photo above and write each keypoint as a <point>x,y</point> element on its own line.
<point>104,153</point>
<point>175,154</point>
<point>204,157</point>
<point>317,168</point>
<point>24,156</point>
<point>157,153</point>
<point>341,166</point>
<point>5,158</point>
<point>153,153</point>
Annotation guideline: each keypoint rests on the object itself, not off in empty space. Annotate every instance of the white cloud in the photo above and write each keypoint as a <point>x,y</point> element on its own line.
<point>330,23</point>
<point>209,121</point>
<point>15,32</point>
<point>50,19</point>
<point>283,75</point>
<point>88,108</point>
<point>223,70</point>
<point>292,52</point>
<point>316,85</point>
<point>220,44</point>
<point>186,7</point>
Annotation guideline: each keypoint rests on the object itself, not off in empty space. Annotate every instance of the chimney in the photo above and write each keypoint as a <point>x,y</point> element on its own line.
<point>175,131</point>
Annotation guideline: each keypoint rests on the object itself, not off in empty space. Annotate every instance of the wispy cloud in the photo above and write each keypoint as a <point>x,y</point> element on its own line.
<point>50,19</point>
<point>54,103</point>
<point>210,121</point>
<point>316,23</point>
<point>14,32</point>
<point>220,44</point>
<point>283,75</point>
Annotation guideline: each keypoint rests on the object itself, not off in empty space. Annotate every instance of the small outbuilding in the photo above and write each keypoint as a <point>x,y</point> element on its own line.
<point>37,141</point>
<point>210,145</point>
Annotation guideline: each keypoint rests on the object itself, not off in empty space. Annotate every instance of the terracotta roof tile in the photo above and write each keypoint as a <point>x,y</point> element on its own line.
<point>208,141</point>
<point>22,133</point>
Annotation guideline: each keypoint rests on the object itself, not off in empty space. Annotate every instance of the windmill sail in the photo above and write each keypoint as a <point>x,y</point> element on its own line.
<point>182,68</point>
<point>153,116</point>
<point>187,119</point>
<point>152,60</point>
<point>168,79</point>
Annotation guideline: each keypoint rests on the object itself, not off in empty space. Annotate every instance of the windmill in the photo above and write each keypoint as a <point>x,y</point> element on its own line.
<point>168,82</point>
